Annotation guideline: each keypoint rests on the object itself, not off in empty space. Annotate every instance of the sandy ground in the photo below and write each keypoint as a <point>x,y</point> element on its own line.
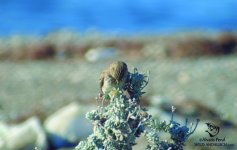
<point>40,87</point>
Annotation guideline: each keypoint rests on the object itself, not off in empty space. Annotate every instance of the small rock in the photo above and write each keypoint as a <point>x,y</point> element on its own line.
<point>98,54</point>
<point>68,125</point>
<point>187,108</point>
<point>26,135</point>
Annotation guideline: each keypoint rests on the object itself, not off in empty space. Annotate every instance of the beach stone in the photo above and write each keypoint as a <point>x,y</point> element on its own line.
<point>25,136</point>
<point>98,54</point>
<point>67,126</point>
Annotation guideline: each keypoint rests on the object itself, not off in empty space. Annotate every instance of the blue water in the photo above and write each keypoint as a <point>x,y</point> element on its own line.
<point>124,16</point>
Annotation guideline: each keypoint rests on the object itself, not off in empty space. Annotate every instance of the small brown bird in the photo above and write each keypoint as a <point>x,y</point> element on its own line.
<point>113,77</point>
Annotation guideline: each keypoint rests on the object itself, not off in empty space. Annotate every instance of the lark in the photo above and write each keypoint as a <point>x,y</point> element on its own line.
<point>113,77</point>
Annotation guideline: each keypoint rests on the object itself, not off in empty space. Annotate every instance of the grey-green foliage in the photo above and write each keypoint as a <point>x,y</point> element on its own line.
<point>179,134</point>
<point>117,125</point>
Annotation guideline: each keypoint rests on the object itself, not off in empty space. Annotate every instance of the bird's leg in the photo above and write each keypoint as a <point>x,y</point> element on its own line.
<point>100,96</point>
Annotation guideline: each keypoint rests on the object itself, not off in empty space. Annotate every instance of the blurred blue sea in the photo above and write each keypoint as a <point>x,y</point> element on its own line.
<point>124,16</point>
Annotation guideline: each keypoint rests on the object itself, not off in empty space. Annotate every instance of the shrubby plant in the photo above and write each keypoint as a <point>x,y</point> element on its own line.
<point>117,125</point>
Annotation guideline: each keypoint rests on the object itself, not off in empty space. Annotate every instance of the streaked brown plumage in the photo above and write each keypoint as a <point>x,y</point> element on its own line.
<point>113,77</point>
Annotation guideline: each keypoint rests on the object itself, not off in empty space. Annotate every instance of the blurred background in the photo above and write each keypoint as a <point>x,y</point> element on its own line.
<point>52,53</point>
